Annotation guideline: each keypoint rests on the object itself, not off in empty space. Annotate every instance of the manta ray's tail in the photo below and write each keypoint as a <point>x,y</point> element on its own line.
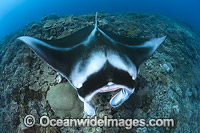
<point>96,21</point>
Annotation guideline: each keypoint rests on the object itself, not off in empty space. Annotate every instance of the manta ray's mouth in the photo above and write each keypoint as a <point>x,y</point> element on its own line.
<point>115,101</point>
<point>110,87</point>
<point>113,89</point>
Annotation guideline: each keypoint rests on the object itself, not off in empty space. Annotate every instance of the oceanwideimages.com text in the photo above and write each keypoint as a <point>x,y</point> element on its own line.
<point>45,121</point>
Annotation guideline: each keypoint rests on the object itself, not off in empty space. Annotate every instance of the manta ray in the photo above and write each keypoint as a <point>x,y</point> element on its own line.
<point>95,60</point>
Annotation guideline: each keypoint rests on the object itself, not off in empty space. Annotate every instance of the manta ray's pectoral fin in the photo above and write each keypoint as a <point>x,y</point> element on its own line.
<point>137,49</point>
<point>141,52</point>
<point>52,55</point>
<point>60,53</point>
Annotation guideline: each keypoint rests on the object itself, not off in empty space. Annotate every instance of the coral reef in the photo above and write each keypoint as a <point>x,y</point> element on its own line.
<point>168,83</point>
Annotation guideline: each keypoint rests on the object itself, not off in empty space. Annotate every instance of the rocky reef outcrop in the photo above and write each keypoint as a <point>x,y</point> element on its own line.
<point>64,101</point>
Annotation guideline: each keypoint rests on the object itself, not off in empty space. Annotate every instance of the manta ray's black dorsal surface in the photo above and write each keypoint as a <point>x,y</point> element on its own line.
<point>95,60</point>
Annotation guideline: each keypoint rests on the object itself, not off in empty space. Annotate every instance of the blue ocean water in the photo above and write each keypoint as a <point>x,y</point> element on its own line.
<point>14,14</point>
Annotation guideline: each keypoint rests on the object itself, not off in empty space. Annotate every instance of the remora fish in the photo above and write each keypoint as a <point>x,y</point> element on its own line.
<point>95,60</point>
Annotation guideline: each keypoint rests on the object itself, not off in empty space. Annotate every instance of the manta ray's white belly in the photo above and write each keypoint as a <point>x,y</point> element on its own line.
<point>95,63</point>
